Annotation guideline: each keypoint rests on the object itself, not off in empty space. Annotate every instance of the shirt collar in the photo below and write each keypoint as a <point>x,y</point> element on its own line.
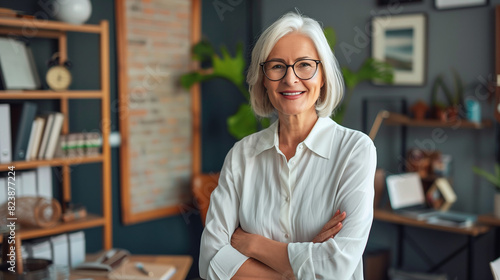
<point>318,140</point>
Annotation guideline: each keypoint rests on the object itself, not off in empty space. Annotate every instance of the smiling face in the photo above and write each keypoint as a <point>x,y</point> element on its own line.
<point>292,96</point>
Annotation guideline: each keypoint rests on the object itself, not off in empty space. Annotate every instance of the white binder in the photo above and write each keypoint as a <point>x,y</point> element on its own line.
<point>5,136</point>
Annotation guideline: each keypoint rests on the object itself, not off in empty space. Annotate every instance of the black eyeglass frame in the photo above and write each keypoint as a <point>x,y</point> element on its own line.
<point>293,68</point>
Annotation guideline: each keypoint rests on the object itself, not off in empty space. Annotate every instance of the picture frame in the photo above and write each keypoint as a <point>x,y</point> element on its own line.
<point>155,113</point>
<point>401,41</point>
<point>458,4</point>
<point>17,66</point>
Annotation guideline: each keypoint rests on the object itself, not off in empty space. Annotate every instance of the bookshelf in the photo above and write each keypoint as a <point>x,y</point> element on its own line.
<point>59,30</point>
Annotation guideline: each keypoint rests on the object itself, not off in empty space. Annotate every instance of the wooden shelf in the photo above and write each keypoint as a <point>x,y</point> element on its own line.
<point>51,25</point>
<point>50,94</point>
<point>90,221</point>
<point>19,165</point>
<point>399,119</point>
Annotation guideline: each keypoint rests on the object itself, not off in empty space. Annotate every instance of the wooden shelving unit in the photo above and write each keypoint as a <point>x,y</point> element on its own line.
<point>58,30</point>
<point>399,119</point>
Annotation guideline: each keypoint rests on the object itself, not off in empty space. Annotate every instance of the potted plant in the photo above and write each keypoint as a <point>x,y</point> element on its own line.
<point>370,70</point>
<point>493,178</point>
<point>455,98</point>
<point>231,68</point>
<point>244,122</point>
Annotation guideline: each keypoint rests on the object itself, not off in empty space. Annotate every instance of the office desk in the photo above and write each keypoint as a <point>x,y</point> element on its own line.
<point>182,264</point>
<point>401,221</point>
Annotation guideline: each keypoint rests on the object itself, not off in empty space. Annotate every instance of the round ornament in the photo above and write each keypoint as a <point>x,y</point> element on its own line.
<point>72,11</point>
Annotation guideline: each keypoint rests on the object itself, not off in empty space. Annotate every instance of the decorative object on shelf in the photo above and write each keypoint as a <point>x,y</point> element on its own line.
<point>421,161</point>
<point>37,212</point>
<point>441,195</point>
<point>493,178</point>
<point>455,4</point>
<point>473,110</point>
<point>58,76</point>
<point>73,11</point>
<point>455,98</point>
<point>401,42</point>
<point>419,110</point>
<point>17,67</point>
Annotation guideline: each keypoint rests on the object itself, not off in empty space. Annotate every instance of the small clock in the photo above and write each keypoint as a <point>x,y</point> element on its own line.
<point>58,77</point>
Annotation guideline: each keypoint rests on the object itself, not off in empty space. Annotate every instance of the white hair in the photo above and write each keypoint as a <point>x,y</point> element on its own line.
<point>333,89</point>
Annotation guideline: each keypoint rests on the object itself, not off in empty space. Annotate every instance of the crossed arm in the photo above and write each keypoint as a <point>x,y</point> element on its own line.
<point>268,259</point>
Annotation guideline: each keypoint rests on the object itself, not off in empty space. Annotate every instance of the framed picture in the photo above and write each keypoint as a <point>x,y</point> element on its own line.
<point>392,2</point>
<point>401,41</point>
<point>17,67</point>
<point>456,4</point>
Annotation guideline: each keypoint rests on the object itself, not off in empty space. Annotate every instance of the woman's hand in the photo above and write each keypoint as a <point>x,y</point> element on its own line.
<point>242,241</point>
<point>331,228</point>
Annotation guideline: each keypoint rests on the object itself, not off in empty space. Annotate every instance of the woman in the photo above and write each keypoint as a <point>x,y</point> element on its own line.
<point>294,201</point>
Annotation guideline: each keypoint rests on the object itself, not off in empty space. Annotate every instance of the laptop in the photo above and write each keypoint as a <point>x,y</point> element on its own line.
<point>406,195</point>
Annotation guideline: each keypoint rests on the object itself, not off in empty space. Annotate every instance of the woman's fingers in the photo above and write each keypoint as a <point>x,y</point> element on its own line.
<point>330,233</point>
<point>337,218</point>
<point>331,228</point>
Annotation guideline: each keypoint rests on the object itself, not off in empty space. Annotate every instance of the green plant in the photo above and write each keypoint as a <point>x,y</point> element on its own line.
<point>370,70</point>
<point>455,97</point>
<point>230,68</point>
<point>493,178</point>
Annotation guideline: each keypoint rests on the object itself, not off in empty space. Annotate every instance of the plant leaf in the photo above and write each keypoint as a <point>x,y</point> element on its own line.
<point>242,123</point>
<point>203,51</point>
<point>331,38</point>
<point>495,180</point>
<point>265,122</point>
<point>191,78</point>
<point>230,68</point>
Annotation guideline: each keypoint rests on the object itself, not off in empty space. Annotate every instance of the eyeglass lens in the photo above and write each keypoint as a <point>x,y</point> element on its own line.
<point>303,69</point>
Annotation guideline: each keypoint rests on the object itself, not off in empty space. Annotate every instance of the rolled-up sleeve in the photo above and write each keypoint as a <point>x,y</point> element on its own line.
<point>340,257</point>
<point>218,259</point>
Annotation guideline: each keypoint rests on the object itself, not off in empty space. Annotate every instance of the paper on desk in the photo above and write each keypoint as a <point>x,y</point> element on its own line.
<point>495,268</point>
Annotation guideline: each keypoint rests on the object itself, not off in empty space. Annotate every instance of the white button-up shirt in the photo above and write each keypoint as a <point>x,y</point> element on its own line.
<point>290,201</point>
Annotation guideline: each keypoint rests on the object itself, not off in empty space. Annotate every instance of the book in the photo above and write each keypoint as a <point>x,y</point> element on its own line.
<point>28,183</point>
<point>49,120</point>
<point>452,219</point>
<point>55,132</point>
<point>31,139</point>
<point>5,136</point>
<point>22,117</point>
<point>3,190</point>
<point>33,147</point>
<point>132,271</point>
<point>44,181</point>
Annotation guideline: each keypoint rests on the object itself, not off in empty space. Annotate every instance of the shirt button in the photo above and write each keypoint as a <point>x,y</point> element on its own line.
<point>286,235</point>
<point>300,146</point>
<point>287,199</point>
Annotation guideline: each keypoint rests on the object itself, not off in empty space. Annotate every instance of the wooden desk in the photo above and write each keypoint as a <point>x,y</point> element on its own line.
<point>182,264</point>
<point>401,221</point>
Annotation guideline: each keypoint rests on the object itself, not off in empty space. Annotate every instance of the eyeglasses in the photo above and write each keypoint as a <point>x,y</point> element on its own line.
<point>304,69</point>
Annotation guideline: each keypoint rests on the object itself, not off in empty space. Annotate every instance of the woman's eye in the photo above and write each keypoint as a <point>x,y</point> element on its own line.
<point>277,66</point>
<point>304,64</point>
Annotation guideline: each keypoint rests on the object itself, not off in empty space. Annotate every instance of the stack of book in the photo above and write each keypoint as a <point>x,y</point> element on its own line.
<point>26,135</point>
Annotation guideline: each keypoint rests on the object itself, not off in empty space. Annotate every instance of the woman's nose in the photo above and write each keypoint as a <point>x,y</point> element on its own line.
<point>290,77</point>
